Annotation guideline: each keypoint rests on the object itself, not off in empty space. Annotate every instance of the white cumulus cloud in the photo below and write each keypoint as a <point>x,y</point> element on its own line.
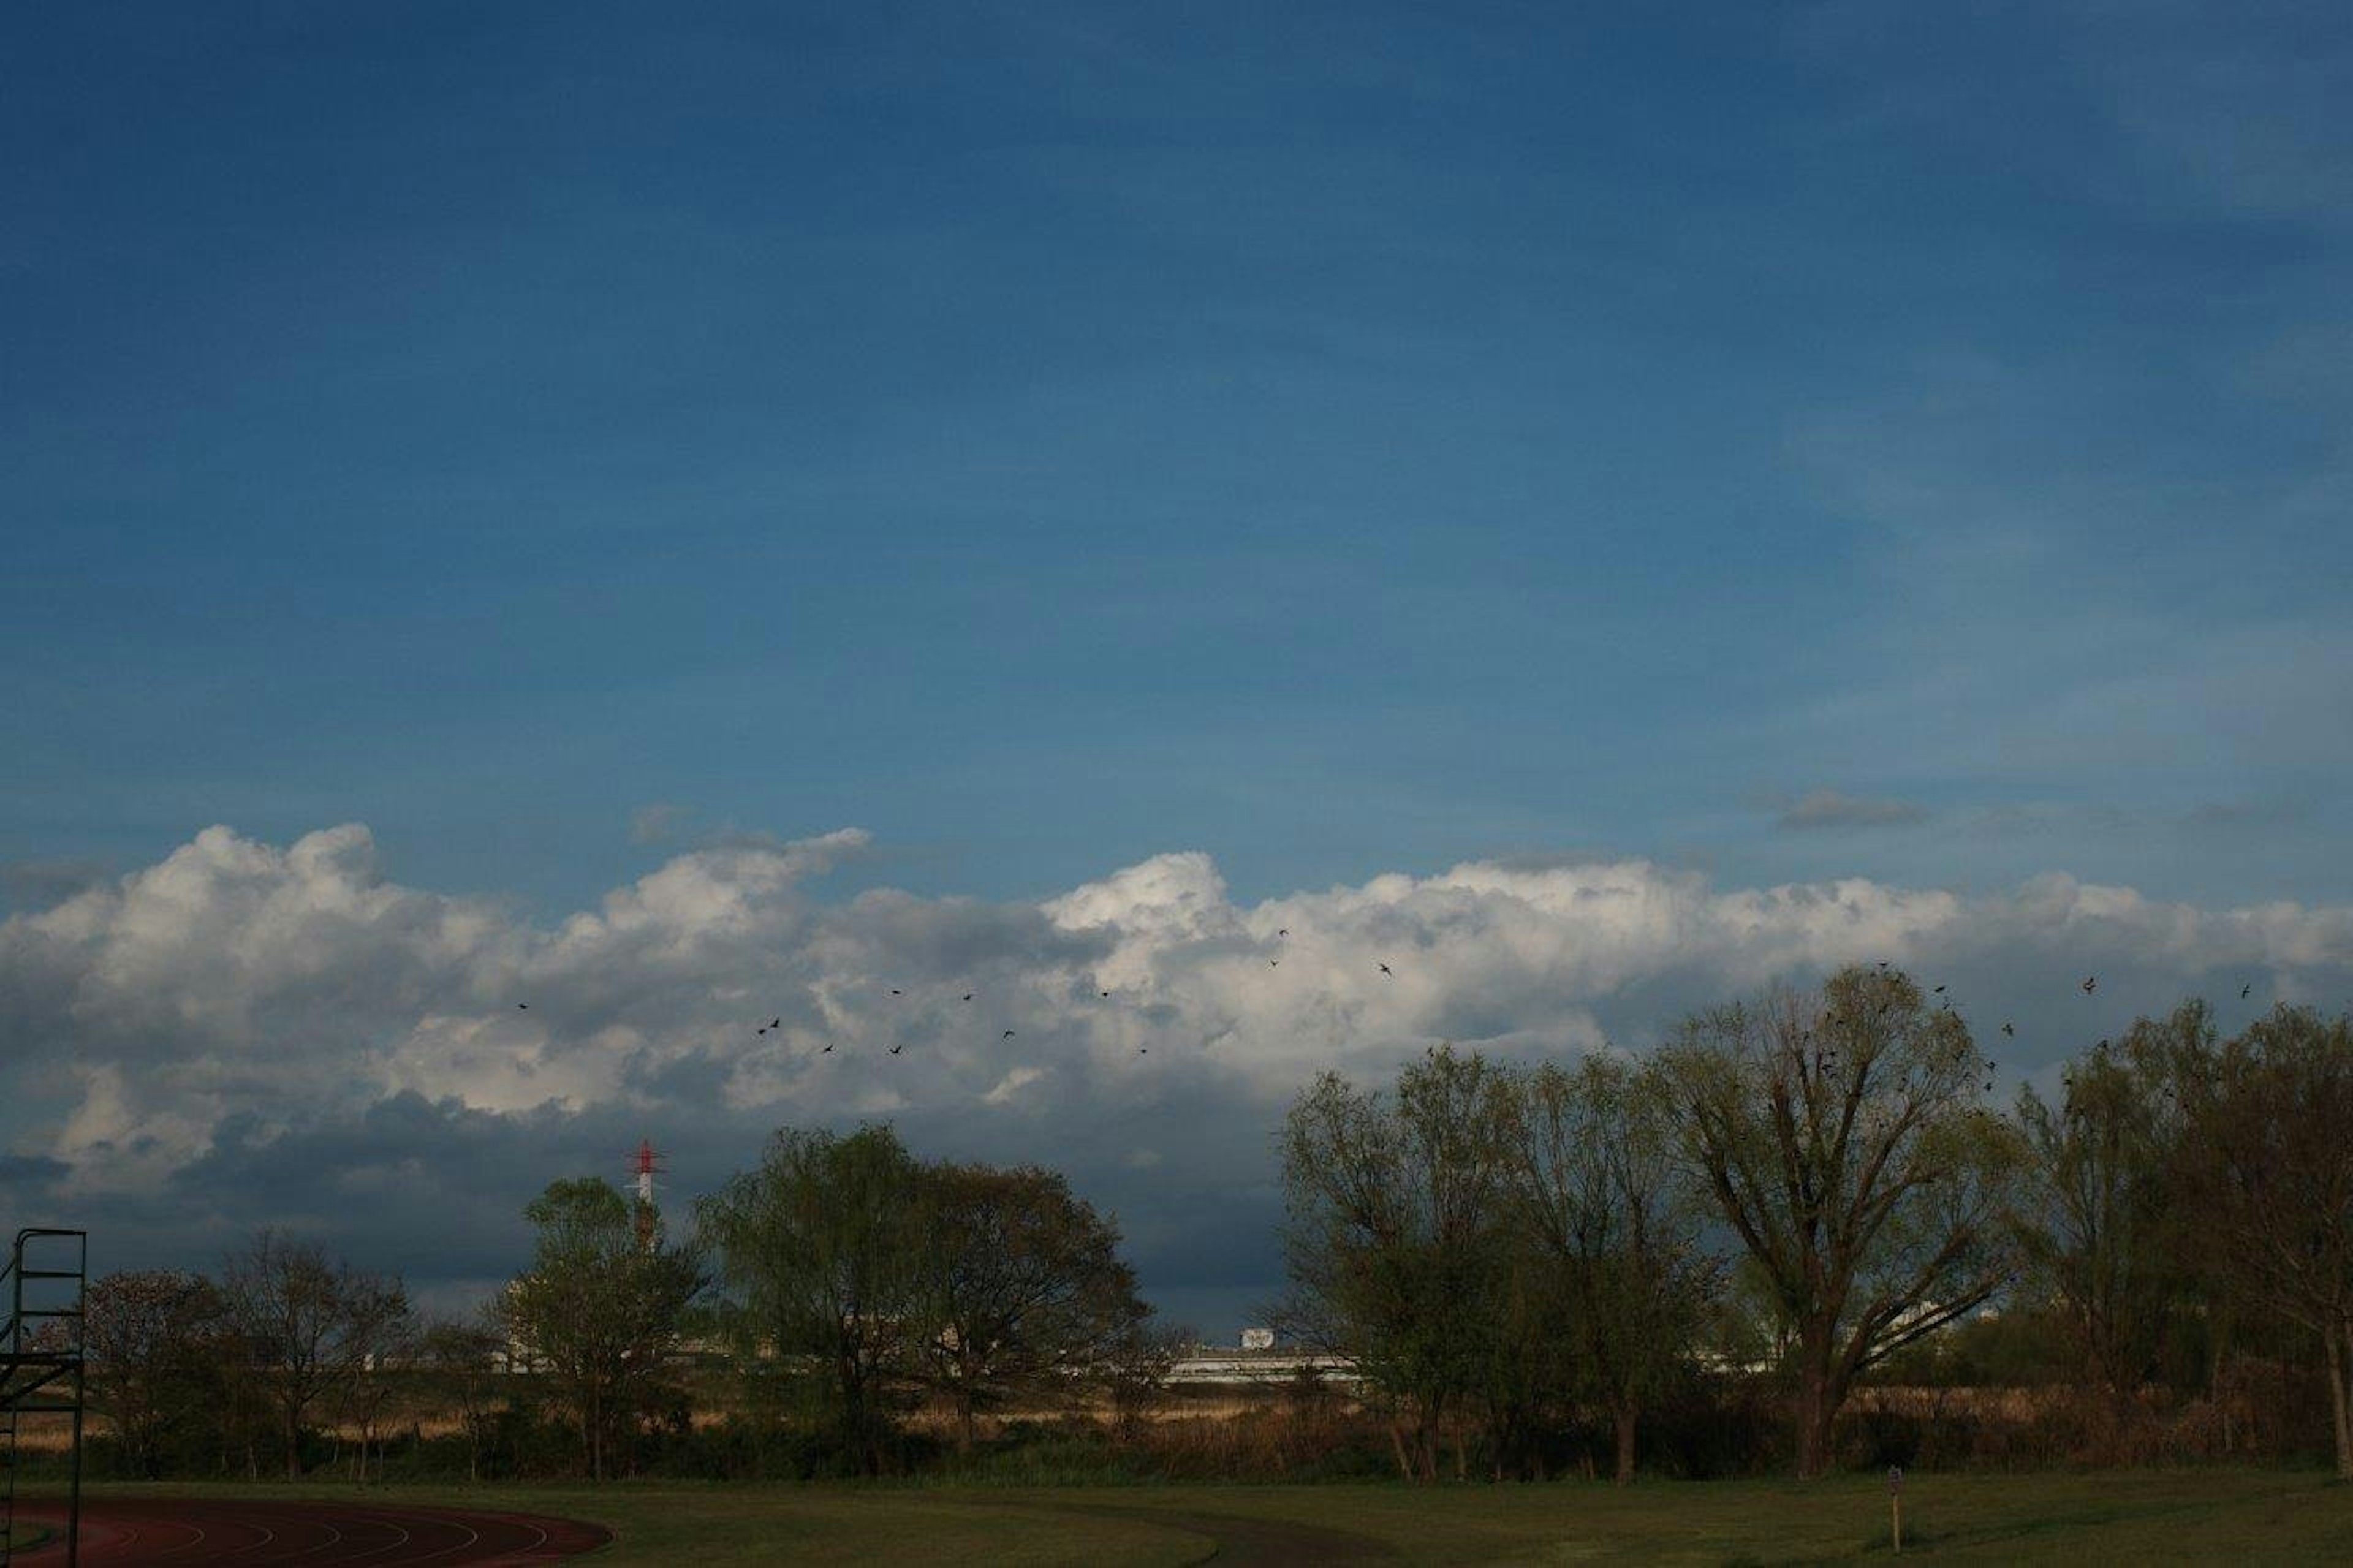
<point>240,1026</point>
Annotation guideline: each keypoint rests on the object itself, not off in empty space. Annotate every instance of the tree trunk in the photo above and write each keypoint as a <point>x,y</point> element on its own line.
<point>2339,1340</point>
<point>1818,1403</point>
<point>1625,1415</point>
<point>1397,1442</point>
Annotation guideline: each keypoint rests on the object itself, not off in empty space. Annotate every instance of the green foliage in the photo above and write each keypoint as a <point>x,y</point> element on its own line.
<point>1615,1233</point>
<point>1504,1242</point>
<point>600,1308</point>
<point>1395,1236</point>
<point>2103,1226</point>
<point>822,1251</point>
<point>2265,1160</point>
<point>1024,1286</point>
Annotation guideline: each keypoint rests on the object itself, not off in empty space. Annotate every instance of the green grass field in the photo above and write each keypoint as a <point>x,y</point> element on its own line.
<point>2138,1516</point>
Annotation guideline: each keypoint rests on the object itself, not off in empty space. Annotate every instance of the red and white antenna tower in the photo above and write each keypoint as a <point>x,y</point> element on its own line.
<point>647,1165</point>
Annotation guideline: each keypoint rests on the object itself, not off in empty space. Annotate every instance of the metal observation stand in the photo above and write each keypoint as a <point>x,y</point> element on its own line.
<point>45,1285</point>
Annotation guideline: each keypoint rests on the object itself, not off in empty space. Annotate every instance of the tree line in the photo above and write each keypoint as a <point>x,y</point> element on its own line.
<point>1813,1187</point>
<point>1792,1205</point>
<point>844,1278</point>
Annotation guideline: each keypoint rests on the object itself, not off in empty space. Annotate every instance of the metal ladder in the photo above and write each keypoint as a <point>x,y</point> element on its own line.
<point>41,1361</point>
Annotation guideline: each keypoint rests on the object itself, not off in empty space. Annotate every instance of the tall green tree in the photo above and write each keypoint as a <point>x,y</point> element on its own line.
<point>2267,1162</point>
<point>1597,1184</point>
<point>823,1253</point>
<point>2101,1211</point>
<point>1025,1281</point>
<point>1842,1139</point>
<point>599,1307</point>
<point>1395,1236</point>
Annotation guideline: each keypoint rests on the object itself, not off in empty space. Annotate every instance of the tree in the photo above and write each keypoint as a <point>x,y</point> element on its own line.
<point>599,1307</point>
<point>1393,1238</point>
<point>1841,1138</point>
<point>1024,1280</point>
<point>2268,1165</point>
<point>2102,1206</point>
<point>1594,1175</point>
<point>150,1338</point>
<point>306,1322</point>
<point>1133,1371</point>
<point>463,1359</point>
<point>822,1249</point>
<point>382,1336</point>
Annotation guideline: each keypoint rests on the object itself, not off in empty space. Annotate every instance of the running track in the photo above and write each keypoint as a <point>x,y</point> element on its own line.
<point>183,1533</point>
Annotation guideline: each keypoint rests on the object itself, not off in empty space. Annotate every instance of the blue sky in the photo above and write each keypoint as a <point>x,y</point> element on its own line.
<point>1786,442</point>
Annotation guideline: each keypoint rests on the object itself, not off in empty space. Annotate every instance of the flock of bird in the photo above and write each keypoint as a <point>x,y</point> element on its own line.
<point>1822,1058</point>
<point>776,1024</point>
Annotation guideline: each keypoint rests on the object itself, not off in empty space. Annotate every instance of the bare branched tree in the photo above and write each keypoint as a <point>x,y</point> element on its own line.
<point>1842,1138</point>
<point>153,1359</point>
<point>306,1322</point>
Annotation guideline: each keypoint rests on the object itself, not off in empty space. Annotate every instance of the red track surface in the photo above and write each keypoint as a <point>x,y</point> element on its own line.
<point>185,1531</point>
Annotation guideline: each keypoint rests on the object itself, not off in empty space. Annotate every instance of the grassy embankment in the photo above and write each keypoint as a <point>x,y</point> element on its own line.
<point>2141,1516</point>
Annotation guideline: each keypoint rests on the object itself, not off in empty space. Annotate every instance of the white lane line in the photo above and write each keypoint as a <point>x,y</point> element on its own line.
<point>268,1535</point>
<point>334,1535</point>
<point>196,1539</point>
<point>472,1535</point>
<point>401,1538</point>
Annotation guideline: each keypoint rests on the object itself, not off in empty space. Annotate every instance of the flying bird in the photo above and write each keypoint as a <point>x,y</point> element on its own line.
<point>2091,984</point>
<point>1106,993</point>
<point>1940,990</point>
<point>2010,1029</point>
<point>1007,1036</point>
<point>2244,989</point>
<point>828,1049</point>
<point>1274,963</point>
<point>894,991</point>
<point>1387,971</point>
<point>967,996</point>
<point>775,1022</point>
<point>896,1050</point>
<point>524,1005</point>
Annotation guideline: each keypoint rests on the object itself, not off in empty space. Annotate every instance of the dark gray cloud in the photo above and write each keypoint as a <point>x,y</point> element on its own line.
<point>31,1170</point>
